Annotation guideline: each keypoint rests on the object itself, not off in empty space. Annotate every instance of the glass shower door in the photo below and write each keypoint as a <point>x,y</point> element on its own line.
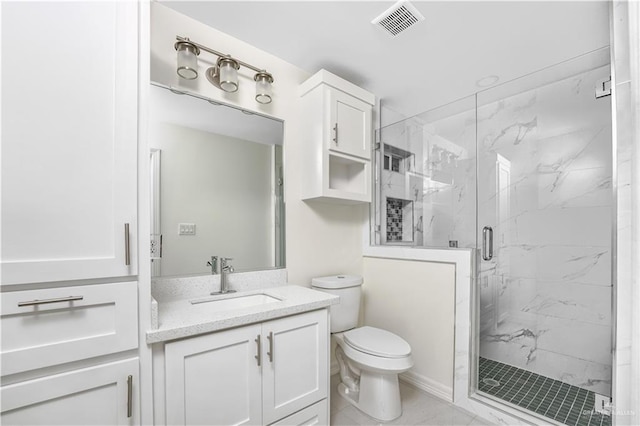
<point>544,237</point>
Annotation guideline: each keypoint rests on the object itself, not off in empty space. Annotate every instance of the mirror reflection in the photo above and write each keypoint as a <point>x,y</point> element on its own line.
<point>216,186</point>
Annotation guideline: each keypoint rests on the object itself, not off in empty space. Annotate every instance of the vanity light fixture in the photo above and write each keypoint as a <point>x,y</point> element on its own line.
<point>187,59</point>
<point>224,75</point>
<point>263,87</point>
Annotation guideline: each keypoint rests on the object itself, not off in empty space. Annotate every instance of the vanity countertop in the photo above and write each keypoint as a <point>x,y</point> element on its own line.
<point>177,319</point>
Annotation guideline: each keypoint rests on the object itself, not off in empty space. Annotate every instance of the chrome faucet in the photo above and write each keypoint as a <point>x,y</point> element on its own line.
<point>213,263</point>
<point>225,270</point>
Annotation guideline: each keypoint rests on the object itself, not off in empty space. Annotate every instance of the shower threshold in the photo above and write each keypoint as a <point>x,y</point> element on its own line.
<point>549,398</point>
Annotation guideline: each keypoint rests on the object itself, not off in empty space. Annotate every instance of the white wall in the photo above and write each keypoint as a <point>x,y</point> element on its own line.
<point>227,197</point>
<point>415,300</point>
<point>625,21</point>
<point>321,239</point>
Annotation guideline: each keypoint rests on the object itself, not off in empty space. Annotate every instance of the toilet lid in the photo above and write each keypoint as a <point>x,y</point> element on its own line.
<point>377,342</point>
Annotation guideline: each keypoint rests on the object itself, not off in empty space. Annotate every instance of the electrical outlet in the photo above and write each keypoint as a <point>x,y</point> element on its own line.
<point>186,229</point>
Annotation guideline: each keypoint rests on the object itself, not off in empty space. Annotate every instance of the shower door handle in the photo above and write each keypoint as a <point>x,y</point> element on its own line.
<point>487,252</point>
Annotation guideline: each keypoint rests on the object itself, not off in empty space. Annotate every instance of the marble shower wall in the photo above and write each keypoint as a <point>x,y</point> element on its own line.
<point>439,179</point>
<point>545,188</point>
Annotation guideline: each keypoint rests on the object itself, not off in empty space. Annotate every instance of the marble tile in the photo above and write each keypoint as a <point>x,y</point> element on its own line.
<point>578,226</point>
<point>588,375</point>
<point>583,341</point>
<point>572,301</point>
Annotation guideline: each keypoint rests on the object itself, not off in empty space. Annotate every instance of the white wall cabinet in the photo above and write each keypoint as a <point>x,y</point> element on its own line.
<point>69,140</point>
<point>256,374</point>
<point>103,395</point>
<point>337,146</point>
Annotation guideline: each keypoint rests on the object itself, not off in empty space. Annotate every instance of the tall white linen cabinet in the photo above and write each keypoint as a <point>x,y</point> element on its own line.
<point>69,319</point>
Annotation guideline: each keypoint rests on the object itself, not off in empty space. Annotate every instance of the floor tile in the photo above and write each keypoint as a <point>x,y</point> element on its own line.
<point>418,408</point>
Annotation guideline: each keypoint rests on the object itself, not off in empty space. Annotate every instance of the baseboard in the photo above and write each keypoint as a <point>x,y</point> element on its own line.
<point>421,382</point>
<point>428,385</point>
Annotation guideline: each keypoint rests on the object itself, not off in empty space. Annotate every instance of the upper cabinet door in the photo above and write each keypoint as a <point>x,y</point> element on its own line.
<point>350,122</point>
<point>69,140</point>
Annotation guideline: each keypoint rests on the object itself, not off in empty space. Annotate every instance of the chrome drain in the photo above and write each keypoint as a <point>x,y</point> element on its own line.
<point>491,382</point>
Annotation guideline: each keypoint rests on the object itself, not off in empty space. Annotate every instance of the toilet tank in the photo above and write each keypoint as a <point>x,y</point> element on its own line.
<point>344,315</point>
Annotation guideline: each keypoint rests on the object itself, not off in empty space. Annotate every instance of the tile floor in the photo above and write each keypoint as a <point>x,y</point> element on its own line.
<point>418,408</point>
<point>551,398</point>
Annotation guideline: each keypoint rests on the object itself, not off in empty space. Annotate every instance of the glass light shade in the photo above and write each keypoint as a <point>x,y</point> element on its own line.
<point>187,60</point>
<point>263,87</point>
<point>228,74</point>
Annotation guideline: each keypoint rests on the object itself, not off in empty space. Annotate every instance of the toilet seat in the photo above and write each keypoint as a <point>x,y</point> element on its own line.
<point>377,342</point>
<point>371,362</point>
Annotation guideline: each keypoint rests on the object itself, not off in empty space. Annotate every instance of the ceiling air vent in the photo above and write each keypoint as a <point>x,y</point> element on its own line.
<point>398,18</point>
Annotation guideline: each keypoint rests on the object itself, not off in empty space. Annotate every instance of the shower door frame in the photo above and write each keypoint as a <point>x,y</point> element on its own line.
<point>492,402</point>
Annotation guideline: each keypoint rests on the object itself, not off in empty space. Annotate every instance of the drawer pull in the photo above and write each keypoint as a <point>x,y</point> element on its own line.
<point>129,396</point>
<point>45,301</point>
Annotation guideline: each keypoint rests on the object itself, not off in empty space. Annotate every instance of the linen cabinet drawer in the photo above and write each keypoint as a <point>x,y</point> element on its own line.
<point>58,325</point>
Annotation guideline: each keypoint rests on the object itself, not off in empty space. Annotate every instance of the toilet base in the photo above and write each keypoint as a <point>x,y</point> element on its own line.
<point>378,395</point>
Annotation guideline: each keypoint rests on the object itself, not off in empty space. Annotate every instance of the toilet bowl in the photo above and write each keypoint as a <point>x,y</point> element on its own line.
<point>369,358</point>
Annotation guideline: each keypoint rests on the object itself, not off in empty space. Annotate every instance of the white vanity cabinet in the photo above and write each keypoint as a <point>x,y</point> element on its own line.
<point>69,140</point>
<point>100,395</point>
<point>338,139</point>
<point>255,374</point>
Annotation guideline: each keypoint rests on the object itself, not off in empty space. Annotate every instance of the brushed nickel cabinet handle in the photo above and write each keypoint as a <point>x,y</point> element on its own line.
<point>270,353</point>
<point>259,354</point>
<point>335,129</point>
<point>54,300</point>
<point>129,395</point>
<point>127,251</point>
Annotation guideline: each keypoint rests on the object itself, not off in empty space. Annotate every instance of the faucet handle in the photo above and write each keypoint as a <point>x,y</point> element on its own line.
<point>223,264</point>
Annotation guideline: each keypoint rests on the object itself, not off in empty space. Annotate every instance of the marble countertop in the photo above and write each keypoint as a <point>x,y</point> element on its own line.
<point>175,319</point>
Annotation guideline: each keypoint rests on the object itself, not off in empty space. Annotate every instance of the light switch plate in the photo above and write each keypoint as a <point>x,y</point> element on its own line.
<point>186,229</point>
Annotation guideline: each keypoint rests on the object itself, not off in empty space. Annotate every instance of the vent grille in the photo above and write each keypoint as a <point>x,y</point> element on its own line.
<point>398,18</point>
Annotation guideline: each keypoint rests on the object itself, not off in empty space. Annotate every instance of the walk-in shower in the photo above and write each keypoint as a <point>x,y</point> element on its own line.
<point>522,173</point>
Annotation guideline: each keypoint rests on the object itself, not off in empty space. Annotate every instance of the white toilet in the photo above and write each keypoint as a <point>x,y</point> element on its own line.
<point>370,359</point>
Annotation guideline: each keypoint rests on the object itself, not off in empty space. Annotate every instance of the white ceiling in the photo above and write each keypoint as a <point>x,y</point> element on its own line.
<point>432,63</point>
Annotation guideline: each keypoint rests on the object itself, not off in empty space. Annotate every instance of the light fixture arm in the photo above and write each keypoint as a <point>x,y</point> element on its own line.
<point>219,54</point>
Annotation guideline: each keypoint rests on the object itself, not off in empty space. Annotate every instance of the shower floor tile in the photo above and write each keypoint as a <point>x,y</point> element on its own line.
<point>551,398</point>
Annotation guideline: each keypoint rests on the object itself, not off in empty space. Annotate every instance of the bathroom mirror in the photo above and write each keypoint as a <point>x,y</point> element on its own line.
<point>216,185</point>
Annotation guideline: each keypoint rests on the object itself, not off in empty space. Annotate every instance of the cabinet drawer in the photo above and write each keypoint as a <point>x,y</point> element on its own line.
<point>317,414</point>
<point>102,395</point>
<point>53,326</point>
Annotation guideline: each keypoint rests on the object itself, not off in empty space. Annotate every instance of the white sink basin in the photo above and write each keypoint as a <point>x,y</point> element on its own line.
<point>237,301</point>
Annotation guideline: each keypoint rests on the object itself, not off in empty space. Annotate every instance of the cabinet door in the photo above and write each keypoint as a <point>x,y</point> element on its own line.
<point>98,395</point>
<point>214,379</point>
<point>295,363</point>
<point>350,122</point>
<point>69,140</point>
